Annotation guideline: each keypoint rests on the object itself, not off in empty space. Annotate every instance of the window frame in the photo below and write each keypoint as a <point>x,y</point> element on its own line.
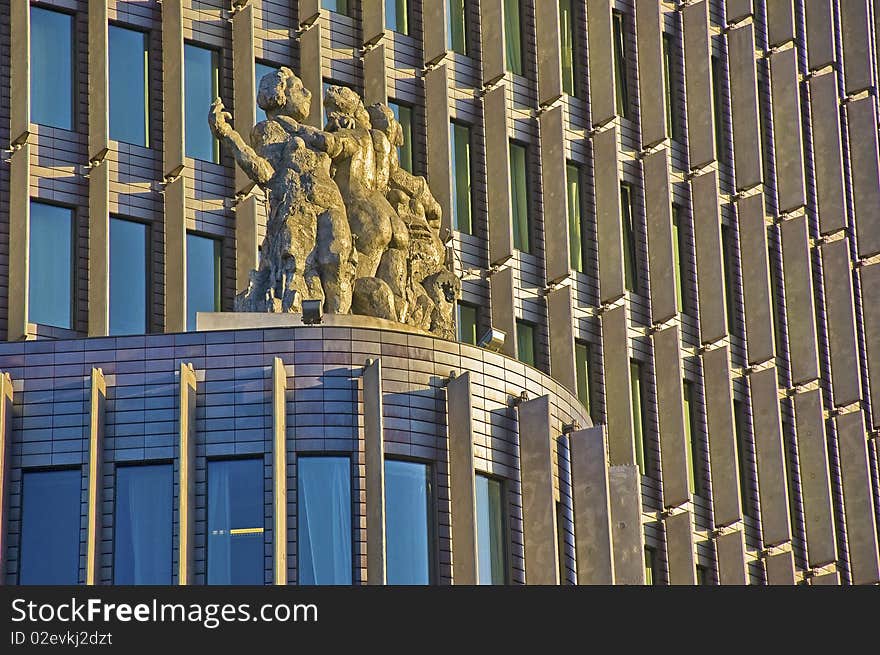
<point>628,230</point>
<point>148,44</point>
<point>407,17</point>
<point>513,67</point>
<point>588,375</point>
<point>465,32</point>
<point>74,285</point>
<point>576,89</point>
<point>577,252</point>
<point>620,37</point>
<point>523,323</point>
<point>74,76</point>
<point>217,73</point>
<point>432,512</point>
<point>640,427</point>
<point>521,229</point>
<point>148,269</point>
<point>671,83</point>
<point>218,274</point>
<point>454,125</point>
<point>694,448</point>
<point>505,524</point>
<point>408,131</point>
<point>458,326</point>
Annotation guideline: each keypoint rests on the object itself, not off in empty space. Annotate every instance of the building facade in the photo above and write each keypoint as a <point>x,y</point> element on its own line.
<point>669,208</point>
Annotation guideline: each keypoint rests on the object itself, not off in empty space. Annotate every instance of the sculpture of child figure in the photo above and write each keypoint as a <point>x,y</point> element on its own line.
<point>308,253</point>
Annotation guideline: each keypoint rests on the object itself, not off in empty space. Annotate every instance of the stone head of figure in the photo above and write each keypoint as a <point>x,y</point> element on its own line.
<point>282,93</point>
<point>345,109</point>
<point>382,119</point>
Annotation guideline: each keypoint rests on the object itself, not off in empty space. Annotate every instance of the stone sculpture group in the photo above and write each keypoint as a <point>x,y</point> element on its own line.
<point>346,224</point>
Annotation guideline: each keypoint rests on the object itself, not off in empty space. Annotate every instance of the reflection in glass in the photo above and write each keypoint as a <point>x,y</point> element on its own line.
<point>323,501</point>
<point>397,15</point>
<point>202,277</point>
<point>143,525</point>
<point>50,527</point>
<point>260,70</point>
<point>519,199</point>
<point>456,16</point>
<point>51,61</point>
<point>408,522</point>
<point>403,115</point>
<point>460,149</point>
<point>513,36</point>
<point>339,6</point>
<point>128,277</point>
<point>201,86</point>
<point>567,49</point>
<point>525,342</point>
<point>50,265</point>
<point>467,323</point>
<point>129,92</point>
<point>235,522</point>
<point>491,560</point>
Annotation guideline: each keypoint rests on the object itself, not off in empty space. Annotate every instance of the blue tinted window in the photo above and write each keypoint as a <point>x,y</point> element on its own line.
<point>202,277</point>
<point>50,527</point>
<point>50,265</point>
<point>408,522</point>
<point>339,6</point>
<point>128,277</point>
<point>490,531</point>
<point>260,70</point>
<point>323,502</point>
<point>143,524</point>
<point>235,522</point>
<point>51,68</point>
<point>129,94</point>
<point>201,86</point>
<point>404,115</point>
<point>397,15</point>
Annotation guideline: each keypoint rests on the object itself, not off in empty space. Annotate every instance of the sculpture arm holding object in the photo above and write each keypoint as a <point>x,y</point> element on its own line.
<point>257,168</point>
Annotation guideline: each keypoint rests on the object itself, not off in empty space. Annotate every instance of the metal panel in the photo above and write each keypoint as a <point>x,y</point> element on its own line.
<point>19,72</point>
<point>772,487</point>
<point>744,107</point>
<point>99,250</point>
<point>855,473</point>
<point>827,152</point>
<point>800,311</point>
<point>730,550</point>
<point>561,326</point>
<point>737,9</point>
<point>492,33</point>
<point>375,84</point>
<point>592,506</point>
<point>498,184</point>
<point>652,91</point>
<point>555,195</point>
<point>680,549</point>
<point>870,279</point>
<point>839,303</point>
<point>19,232</point>
<point>710,270</point>
<point>661,262</point>
<point>788,141</point>
<point>826,579</point>
<point>538,504</point>
<point>670,415</point>
<point>866,174</point>
<point>756,279</point>
<point>855,26</point>
<point>780,569</point>
<point>608,216</point>
<point>434,30</point>
<point>437,138</point>
<point>173,119</point>
<point>698,84</point>
<point>815,483</point>
<point>186,418</point>
<point>279,469</point>
<point>243,84</point>
<point>549,61</point>
<point>780,22</point>
<point>603,100</point>
<point>722,436</point>
<point>374,464</point>
<point>6,419</point>
<point>372,22</point>
<point>246,241</point>
<point>618,394</point>
<point>627,536</point>
<point>175,255</point>
<point>97,403</point>
<point>308,11</point>
<point>460,430</point>
<point>310,72</point>
<point>502,302</point>
<point>99,108</point>
<point>820,33</point>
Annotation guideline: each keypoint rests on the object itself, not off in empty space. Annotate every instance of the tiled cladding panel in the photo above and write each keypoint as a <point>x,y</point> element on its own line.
<point>790,173</point>
<point>324,413</point>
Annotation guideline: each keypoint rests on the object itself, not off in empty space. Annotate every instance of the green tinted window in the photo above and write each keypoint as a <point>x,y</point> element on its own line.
<point>638,414</point>
<point>467,323</point>
<point>525,342</point>
<point>575,243</point>
<point>582,368</point>
<point>460,151</point>
<point>456,16</point>
<point>631,277</point>
<point>513,36</point>
<point>519,199</point>
<point>621,82</point>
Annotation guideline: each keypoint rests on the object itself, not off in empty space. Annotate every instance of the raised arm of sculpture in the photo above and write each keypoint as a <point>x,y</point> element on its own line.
<point>255,167</point>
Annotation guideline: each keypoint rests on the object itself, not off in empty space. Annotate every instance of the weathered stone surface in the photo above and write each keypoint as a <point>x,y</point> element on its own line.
<point>346,224</point>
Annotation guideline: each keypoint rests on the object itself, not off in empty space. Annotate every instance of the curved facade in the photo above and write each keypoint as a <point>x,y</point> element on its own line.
<point>669,208</point>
